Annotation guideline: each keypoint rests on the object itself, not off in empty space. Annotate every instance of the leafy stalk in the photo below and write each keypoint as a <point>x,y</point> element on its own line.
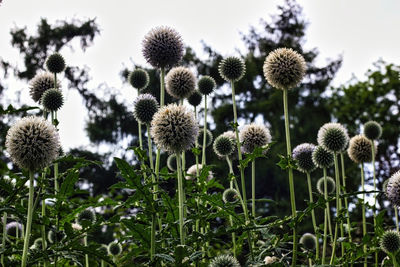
<point>180,197</point>
<point>316,231</point>
<point>363,213</point>
<point>29,221</point>
<point>203,156</point>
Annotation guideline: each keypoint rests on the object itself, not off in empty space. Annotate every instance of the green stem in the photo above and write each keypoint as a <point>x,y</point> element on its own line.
<point>230,216</point>
<point>56,185</point>
<point>3,241</point>
<point>313,215</point>
<point>29,221</point>
<point>393,256</point>
<point>345,198</point>
<point>338,208</point>
<point>203,156</point>
<point>180,196</point>
<point>363,212</point>
<point>374,209</point>
<point>140,136</point>
<point>153,180</point>
<point>85,242</point>
<point>103,264</point>
<point>396,214</point>
<point>253,188</point>
<point>334,244</point>
<point>325,217</point>
<point>22,224</point>
<point>291,182</point>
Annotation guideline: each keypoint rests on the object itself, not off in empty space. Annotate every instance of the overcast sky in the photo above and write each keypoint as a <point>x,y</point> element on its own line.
<point>362,31</point>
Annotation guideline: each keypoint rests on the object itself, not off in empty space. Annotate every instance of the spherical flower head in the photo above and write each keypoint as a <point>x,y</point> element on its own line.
<point>254,135</point>
<point>55,63</point>
<point>372,130</point>
<point>232,69</point>
<point>103,249</point>
<point>224,261</point>
<point>270,260</point>
<point>230,195</point>
<point>144,108</point>
<point>86,216</point>
<point>32,143</point>
<point>322,158</point>
<point>192,171</point>
<point>309,241</point>
<point>162,47</point>
<point>303,154</point>
<point>174,128</point>
<point>171,162</point>
<point>360,149</point>
<point>12,228</point>
<point>52,99</point>
<point>139,79</point>
<point>333,136</point>
<point>195,98</point>
<point>38,243</point>
<point>209,137</point>
<point>180,82</point>
<point>40,84</point>
<point>51,236</point>
<point>232,135</point>
<point>206,85</point>
<point>393,189</point>
<point>114,248</point>
<point>390,241</point>
<point>284,68</point>
<point>223,146</point>
<point>330,185</point>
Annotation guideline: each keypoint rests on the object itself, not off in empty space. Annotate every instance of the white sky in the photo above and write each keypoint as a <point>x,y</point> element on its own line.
<point>361,30</point>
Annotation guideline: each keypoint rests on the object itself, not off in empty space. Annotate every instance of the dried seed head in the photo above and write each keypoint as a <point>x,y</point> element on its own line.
<point>174,128</point>
<point>393,189</point>
<point>180,82</point>
<point>330,185</point>
<point>52,99</point>
<point>303,154</point>
<point>232,69</point>
<point>224,261</point>
<point>144,108</point>
<point>254,135</point>
<point>372,130</point>
<point>223,146</point>
<point>206,85</point>
<point>309,241</point>
<point>195,98</point>
<point>171,162</point>
<point>86,216</point>
<point>139,79</point>
<point>162,47</point>
<point>114,248</point>
<point>360,149</point>
<point>390,241</point>
<point>322,158</point>
<point>32,143</point>
<point>230,196</point>
<point>333,136</point>
<point>55,63</point>
<point>209,137</point>
<point>284,68</point>
<point>191,172</point>
<point>41,83</point>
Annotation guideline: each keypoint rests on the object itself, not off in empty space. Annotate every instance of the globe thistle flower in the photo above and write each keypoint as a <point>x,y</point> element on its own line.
<point>180,82</point>
<point>209,137</point>
<point>195,98</point>
<point>303,154</point>
<point>230,195</point>
<point>114,248</point>
<point>103,249</point>
<point>224,261</point>
<point>309,241</point>
<point>86,216</point>
<point>191,172</point>
<point>174,128</point>
<point>38,243</point>
<point>162,47</point>
<point>360,149</point>
<point>40,84</point>
<point>55,63</point>
<point>284,68</point>
<point>223,146</point>
<point>372,130</point>
<point>139,79</point>
<point>206,85</point>
<point>52,99</point>
<point>32,143</point>
<point>322,158</point>
<point>270,260</point>
<point>144,108</point>
<point>333,136</point>
<point>232,69</point>
<point>254,135</point>
<point>393,189</point>
<point>171,162</point>
<point>231,134</point>
<point>330,185</point>
<point>51,236</point>
<point>390,242</point>
<point>12,228</point>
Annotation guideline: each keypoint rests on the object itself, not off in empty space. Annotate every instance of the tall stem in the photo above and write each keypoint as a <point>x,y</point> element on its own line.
<point>3,241</point>
<point>29,221</point>
<point>140,136</point>
<point>345,198</point>
<point>363,212</point>
<point>180,196</point>
<point>374,209</point>
<point>338,208</point>
<point>85,242</point>
<point>230,216</point>
<point>253,188</point>
<point>291,182</point>
<point>313,215</point>
<point>395,264</point>
<point>396,214</point>
<point>153,180</point>
<point>203,156</point>
<point>325,217</point>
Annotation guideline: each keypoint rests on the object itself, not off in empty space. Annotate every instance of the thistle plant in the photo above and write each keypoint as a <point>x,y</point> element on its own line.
<point>390,243</point>
<point>392,192</point>
<point>330,183</point>
<point>310,243</point>
<point>85,218</point>
<point>114,249</point>
<point>284,69</point>
<point>40,84</point>
<point>224,261</point>
<point>192,172</point>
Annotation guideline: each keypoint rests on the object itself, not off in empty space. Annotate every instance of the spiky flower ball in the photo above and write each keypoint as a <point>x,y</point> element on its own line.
<point>139,79</point>
<point>209,137</point>
<point>232,69</point>
<point>360,149</point>
<point>171,162</point>
<point>52,99</point>
<point>330,185</point>
<point>40,84</point>
<point>174,128</point>
<point>224,261</point>
<point>114,248</point>
<point>86,216</point>
<point>32,143</point>
<point>192,171</point>
<point>372,130</point>
<point>303,154</point>
<point>38,243</point>
<point>284,68</point>
<point>393,189</point>
<point>309,241</point>
<point>55,63</point>
<point>390,241</point>
<point>322,158</point>
<point>162,47</point>
<point>51,236</point>
<point>206,85</point>
<point>180,82</point>
<point>144,108</point>
<point>12,228</point>
<point>232,135</point>
<point>195,98</point>
<point>333,136</point>
<point>223,146</point>
<point>103,249</point>
<point>230,195</point>
<point>254,135</point>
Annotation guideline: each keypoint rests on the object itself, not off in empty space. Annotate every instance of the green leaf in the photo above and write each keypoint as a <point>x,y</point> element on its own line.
<point>286,162</point>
